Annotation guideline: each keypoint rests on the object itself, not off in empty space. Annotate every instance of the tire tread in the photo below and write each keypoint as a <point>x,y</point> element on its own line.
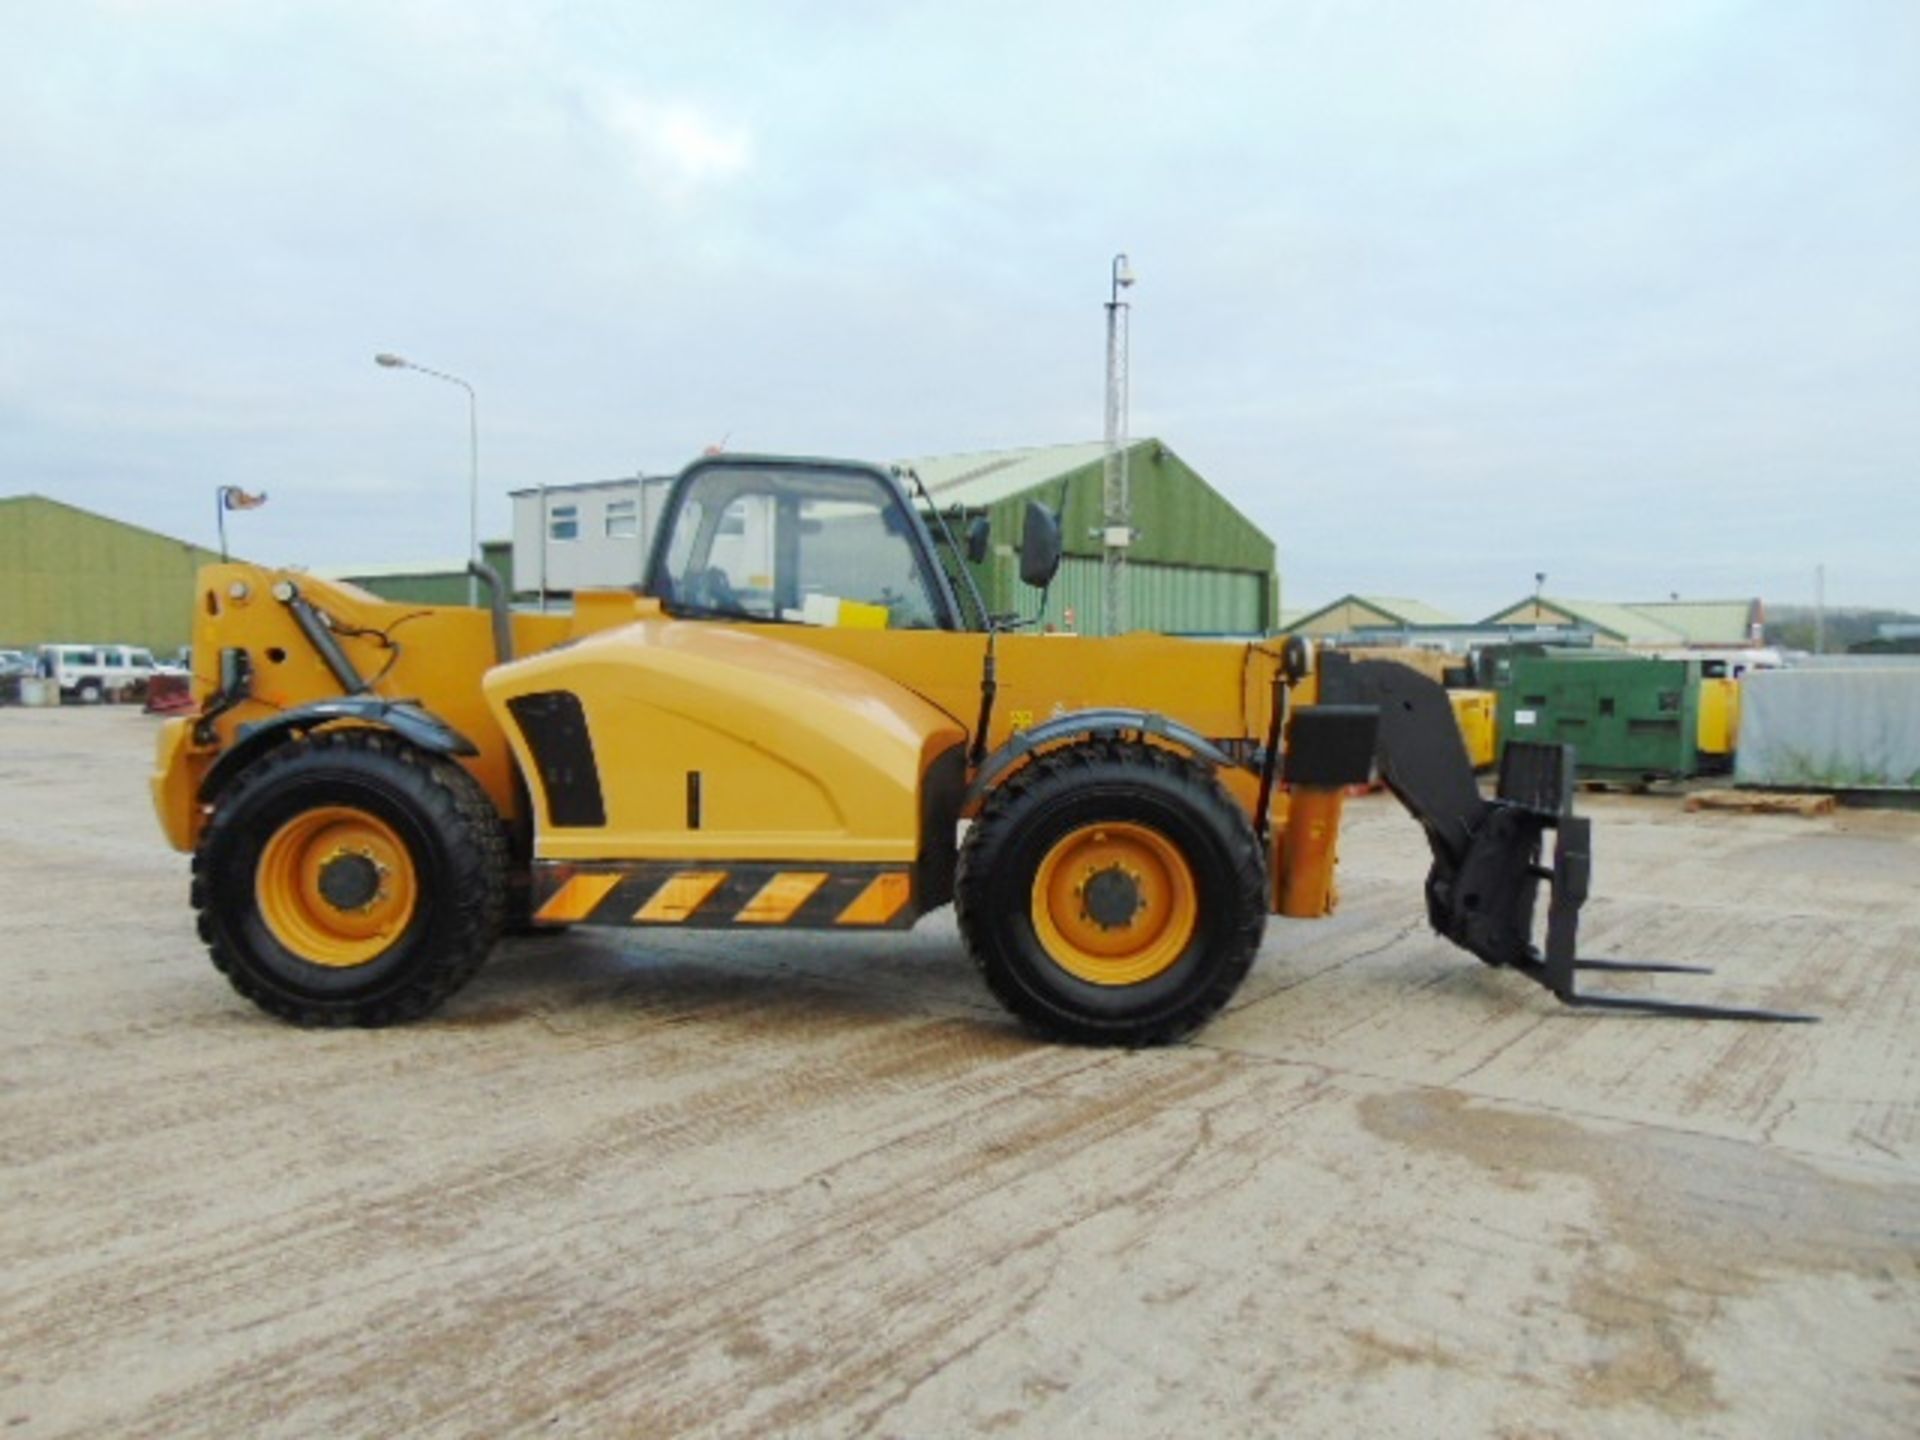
<point>453,804</point>
<point>1080,764</point>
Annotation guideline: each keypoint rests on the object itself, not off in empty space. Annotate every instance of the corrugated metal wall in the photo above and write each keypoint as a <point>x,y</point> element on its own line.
<point>1831,728</point>
<point>69,575</point>
<point>1170,599</point>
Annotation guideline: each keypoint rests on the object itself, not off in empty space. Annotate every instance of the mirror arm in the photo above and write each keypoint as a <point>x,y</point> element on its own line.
<point>959,555</point>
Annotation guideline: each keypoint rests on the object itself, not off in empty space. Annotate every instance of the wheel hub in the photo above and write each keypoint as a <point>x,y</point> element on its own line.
<point>350,880</point>
<point>336,885</point>
<point>1111,898</point>
<point>1115,903</point>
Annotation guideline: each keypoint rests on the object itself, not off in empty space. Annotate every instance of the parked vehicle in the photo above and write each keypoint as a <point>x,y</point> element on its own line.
<point>140,668</point>
<point>89,674</point>
<point>14,663</point>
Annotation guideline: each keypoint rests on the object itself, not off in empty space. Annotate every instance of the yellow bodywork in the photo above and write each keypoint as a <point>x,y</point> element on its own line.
<point>1304,860</point>
<point>177,771</point>
<point>812,744</point>
<point>799,755</point>
<point>442,653</point>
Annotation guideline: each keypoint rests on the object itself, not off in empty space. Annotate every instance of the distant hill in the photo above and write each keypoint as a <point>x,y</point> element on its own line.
<point>1791,627</point>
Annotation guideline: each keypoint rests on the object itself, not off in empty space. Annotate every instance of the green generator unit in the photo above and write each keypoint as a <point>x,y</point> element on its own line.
<point>1629,718</point>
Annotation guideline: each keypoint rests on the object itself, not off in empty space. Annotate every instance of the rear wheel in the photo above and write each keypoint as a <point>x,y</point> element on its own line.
<point>348,879</point>
<point>1112,893</point>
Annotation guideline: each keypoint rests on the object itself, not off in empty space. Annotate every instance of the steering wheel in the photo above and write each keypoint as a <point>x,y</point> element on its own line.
<point>715,591</point>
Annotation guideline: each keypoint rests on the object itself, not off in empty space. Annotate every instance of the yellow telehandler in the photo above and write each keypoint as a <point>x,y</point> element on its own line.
<point>789,723</point>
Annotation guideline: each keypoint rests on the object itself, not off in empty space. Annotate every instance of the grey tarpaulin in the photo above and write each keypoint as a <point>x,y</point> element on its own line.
<point>1830,729</point>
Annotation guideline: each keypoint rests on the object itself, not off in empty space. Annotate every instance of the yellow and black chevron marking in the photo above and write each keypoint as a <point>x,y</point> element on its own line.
<point>715,895</point>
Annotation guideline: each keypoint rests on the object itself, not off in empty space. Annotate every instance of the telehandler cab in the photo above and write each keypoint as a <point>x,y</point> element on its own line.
<point>788,725</point>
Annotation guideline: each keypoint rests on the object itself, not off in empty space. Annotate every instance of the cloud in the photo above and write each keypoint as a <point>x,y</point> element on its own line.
<point>674,147</point>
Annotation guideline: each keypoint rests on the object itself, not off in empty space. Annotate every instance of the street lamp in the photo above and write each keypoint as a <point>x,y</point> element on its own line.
<point>389,361</point>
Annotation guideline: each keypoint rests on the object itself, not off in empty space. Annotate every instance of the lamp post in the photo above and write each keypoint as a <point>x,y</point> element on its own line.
<point>1117,522</point>
<point>397,362</point>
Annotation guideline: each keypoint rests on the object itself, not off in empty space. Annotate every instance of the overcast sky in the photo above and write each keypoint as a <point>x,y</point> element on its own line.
<point>1439,294</point>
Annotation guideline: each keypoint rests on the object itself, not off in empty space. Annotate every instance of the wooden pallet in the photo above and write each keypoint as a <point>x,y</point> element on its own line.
<point>1761,802</point>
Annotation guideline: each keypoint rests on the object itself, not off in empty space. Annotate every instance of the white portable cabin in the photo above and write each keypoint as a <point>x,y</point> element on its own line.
<point>586,536</point>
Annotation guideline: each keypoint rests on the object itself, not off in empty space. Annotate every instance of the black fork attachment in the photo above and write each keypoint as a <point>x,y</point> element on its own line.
<point>1489,855</point>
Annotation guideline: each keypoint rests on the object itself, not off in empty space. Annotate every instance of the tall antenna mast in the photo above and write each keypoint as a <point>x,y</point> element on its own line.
<point>1117,534</point>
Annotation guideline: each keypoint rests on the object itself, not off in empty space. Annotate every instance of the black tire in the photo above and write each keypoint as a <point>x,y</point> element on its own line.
<point>452,836</point>
<point>1112,782</point>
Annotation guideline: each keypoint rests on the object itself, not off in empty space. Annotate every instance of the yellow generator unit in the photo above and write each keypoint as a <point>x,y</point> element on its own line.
<point>1476,713</point>
<point>1719,717</point>
<point>791,726</point>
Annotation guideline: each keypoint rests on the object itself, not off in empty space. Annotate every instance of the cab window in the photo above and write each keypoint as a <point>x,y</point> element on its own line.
<point>807,546</point>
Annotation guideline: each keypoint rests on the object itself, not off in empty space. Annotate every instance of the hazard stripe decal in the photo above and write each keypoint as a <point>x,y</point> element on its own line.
<point>761,894</point>
<point>883,898</point>
<point>576,899</point>
<point>775,901</point>
<point>682,895</point>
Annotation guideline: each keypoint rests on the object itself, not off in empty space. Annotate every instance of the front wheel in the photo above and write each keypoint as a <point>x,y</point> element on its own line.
<point>348,879</point>
<point>1112,893</point>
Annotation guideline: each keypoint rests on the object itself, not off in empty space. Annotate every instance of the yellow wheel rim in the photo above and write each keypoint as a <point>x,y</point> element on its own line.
<point>336,886</point>
<point>1115,903</point>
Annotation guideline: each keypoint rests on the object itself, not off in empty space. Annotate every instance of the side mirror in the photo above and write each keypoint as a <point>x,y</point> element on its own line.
<point>1296,659</point>
<point>978,534</point>
<point>1039,546</point>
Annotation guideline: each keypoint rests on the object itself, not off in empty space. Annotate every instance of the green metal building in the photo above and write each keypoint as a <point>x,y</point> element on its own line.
<point>435,583</point>
<point>67,574</point>
<point>1197,565</point>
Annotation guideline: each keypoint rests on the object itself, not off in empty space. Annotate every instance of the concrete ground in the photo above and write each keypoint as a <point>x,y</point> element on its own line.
<point>658,1184</point>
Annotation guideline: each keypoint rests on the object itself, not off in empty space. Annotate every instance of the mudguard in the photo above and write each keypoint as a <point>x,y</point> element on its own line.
<point>1089,724</point>
<point>411,722</point>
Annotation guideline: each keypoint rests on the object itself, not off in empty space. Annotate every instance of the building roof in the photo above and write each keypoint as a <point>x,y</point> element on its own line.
<point>1705,622</point>
<point>982,477</point>
<point>1653,622</point>
<point>1409,612</point>
<point>617,482</point>
<point>30,499</point>
<point>1622,622</point>
<point>1179,519</point>
<point>1398,611</point>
